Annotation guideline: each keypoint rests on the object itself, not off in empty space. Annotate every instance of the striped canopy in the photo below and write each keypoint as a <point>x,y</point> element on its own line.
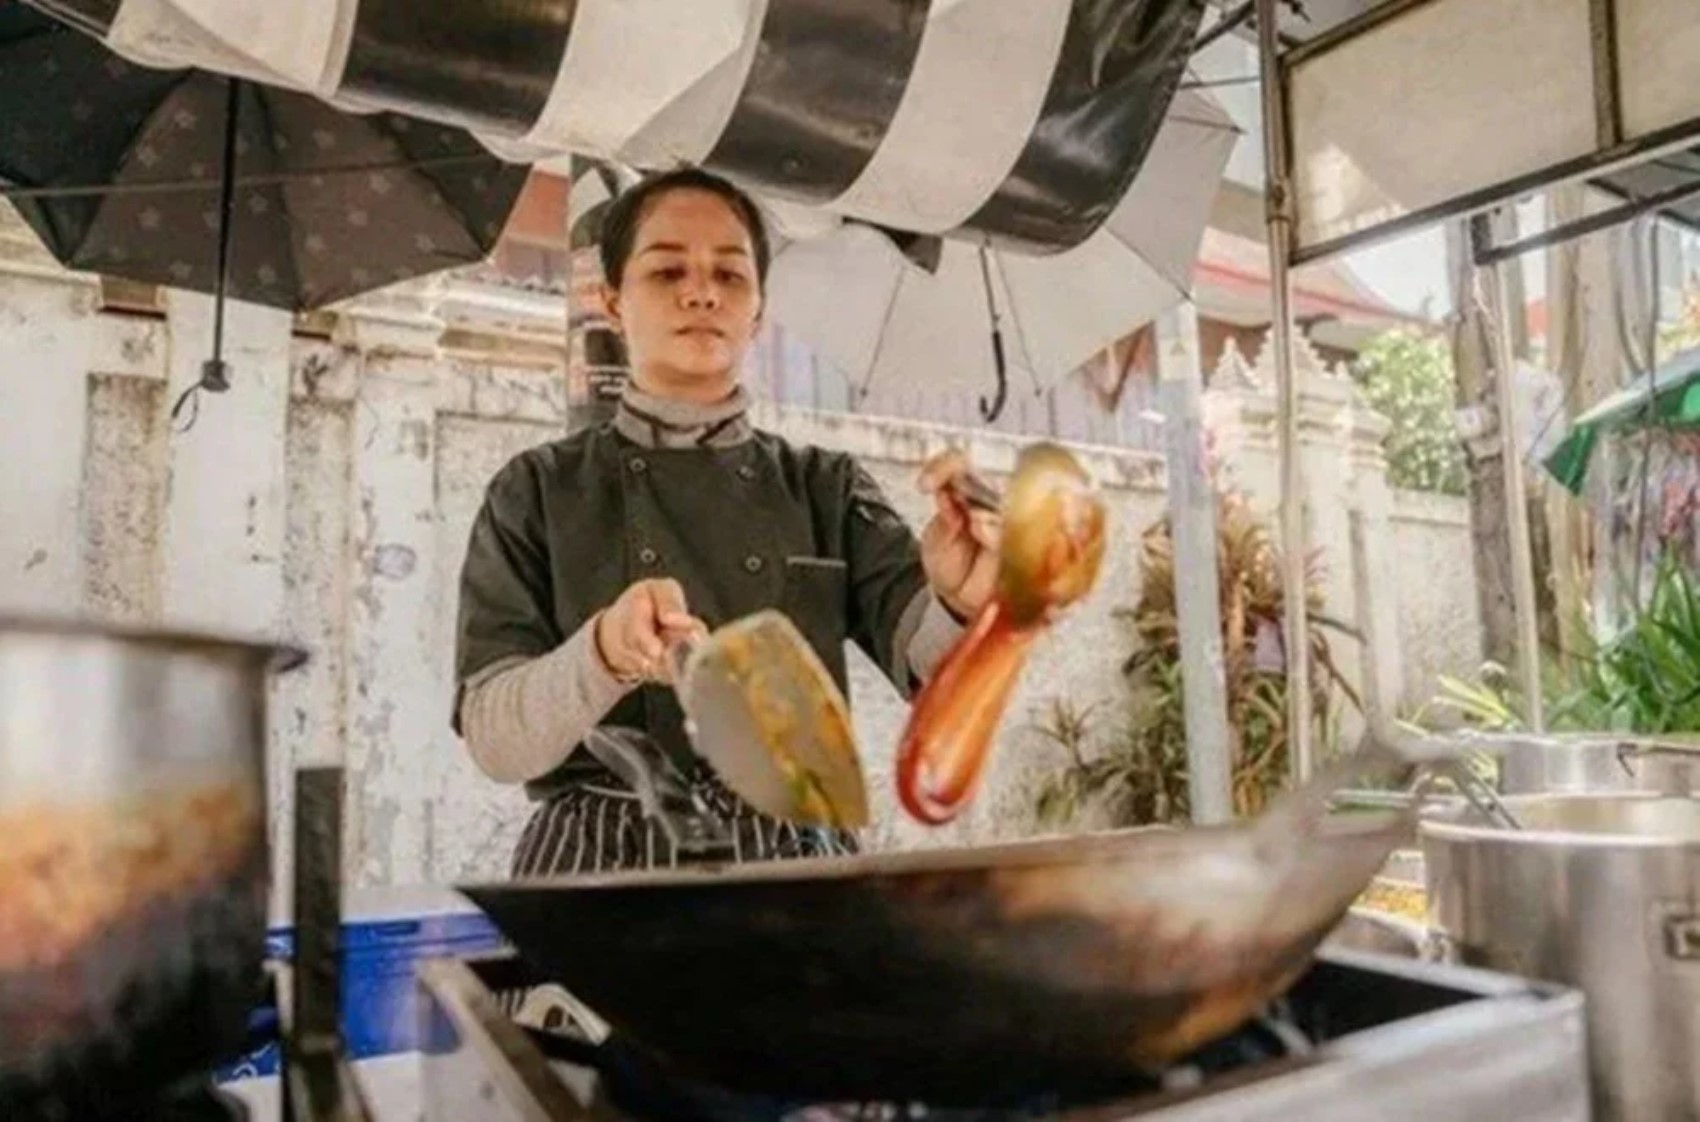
<point>1018,123</point>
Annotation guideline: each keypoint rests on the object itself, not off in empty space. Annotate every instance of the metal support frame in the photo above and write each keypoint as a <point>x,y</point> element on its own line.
<point>1294,541</point>
<point>1486,253</point>
<point>1684,135</point>
<point>318,1083</point>
<point>1613,150</point>
<point>1608,108</point>
<point>1516,494</point>
<point>1350,29</point>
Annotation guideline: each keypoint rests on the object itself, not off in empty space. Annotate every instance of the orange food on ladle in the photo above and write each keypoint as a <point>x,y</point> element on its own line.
<point>1052,548</point>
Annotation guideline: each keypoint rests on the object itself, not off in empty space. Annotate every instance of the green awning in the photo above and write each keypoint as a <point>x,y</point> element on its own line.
<point>1676,404</point>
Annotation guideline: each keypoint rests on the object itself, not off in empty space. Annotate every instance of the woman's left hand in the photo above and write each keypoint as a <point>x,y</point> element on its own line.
<point>959,547</point>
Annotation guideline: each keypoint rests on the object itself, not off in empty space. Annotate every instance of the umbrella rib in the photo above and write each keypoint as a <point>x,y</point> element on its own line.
<point>268,129</point>
<point>885,326</point>
<point>167,185</point>
<point>1203,123</point>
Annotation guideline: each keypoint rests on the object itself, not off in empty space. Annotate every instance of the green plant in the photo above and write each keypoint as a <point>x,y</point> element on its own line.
<point>1063,794</point>
<point>1142,773</point>
<point>1644,679</point>
<point>1489,703</point>
<point>1408,378</point>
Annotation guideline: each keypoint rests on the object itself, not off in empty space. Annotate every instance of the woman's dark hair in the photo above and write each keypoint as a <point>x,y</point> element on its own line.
<point>626,213</point>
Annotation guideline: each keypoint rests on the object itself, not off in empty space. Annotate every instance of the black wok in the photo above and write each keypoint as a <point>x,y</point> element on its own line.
<point>961,975</point>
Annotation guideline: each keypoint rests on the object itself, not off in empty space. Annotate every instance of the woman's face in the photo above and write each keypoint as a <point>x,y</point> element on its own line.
<point>689,301</point>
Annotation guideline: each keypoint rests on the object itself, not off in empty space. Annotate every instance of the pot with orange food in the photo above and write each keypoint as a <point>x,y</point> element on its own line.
<point>134,870</point>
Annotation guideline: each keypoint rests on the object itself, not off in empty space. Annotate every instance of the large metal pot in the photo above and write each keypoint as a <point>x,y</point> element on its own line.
<point>1599,891</point>
<point>1531,764</point>
<point>133,859</point>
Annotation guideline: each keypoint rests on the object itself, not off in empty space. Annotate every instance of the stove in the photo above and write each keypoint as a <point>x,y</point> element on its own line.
<point>1360,1036</point>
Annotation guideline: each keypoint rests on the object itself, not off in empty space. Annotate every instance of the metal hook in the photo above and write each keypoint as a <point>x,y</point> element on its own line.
<point>990,412</point>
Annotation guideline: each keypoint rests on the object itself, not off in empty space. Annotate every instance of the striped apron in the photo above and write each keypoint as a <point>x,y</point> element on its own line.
<point>591,828</point>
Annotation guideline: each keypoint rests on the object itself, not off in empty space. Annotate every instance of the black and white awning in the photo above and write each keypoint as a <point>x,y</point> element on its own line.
<point>1018,122</point>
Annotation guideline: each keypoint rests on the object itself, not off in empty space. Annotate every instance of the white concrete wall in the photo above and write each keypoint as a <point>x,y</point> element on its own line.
<point>327,499</point>
<point>1434,563</point>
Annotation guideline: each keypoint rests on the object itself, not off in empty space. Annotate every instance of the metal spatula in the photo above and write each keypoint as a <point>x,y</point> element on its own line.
<point>762,709</point>
<point>662,790</point>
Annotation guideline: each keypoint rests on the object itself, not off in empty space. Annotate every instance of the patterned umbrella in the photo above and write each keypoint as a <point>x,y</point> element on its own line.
<point>120,169</point>
<point>896,309</point>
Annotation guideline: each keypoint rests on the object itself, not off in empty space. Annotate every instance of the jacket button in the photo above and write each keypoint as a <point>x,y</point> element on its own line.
<point>638,464</point>
<point>752,564</point>
<point>746,473</point>
<point>648,556</point>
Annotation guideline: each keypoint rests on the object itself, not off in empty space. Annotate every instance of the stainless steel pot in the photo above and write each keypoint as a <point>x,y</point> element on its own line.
<point>1599,891</point>
<point>133,860</point>
<point>1532,764</point>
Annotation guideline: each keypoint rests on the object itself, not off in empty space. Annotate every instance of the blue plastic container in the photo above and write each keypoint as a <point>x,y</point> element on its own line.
<point>379,995</point>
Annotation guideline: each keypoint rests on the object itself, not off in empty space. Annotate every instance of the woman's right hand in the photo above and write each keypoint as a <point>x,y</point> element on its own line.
<point>634,633</point>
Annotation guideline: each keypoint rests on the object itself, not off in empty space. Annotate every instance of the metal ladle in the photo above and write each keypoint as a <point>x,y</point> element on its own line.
<point>1379,751</point>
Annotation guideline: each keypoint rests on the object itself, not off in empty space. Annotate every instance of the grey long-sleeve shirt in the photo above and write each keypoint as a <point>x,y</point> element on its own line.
<point>743,520</point>
<point>522,720</point>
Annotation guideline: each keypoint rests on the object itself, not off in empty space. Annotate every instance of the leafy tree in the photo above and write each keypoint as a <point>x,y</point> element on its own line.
<point>1408,378</point>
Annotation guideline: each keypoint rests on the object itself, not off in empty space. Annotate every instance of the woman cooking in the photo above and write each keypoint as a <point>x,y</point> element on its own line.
<point>592,555</point>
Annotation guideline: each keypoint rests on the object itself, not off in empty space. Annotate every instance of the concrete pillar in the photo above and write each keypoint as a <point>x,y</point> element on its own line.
<point>1345,472</point>
<point>1381,670</point>
<point>391,614</point>
<point>1239,412</point>
<point>47,322</point>
<point>223,525</point>
<point>224,516</point>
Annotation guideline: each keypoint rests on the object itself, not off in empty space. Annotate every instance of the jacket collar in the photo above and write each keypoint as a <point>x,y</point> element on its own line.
<point>660,422</point>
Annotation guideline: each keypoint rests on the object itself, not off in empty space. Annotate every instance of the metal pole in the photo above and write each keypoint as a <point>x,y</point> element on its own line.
<point>1516,501</point>
<point>1198,607</point>
<point>1294,588</point>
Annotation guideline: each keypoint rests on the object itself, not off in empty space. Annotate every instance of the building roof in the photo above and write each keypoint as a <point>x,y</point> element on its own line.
<point>1232,278</point>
